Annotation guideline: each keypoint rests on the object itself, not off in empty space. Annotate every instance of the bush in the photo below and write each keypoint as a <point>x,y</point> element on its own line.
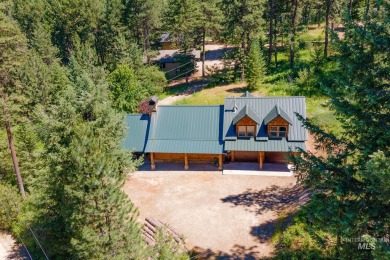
<point>10,202</point>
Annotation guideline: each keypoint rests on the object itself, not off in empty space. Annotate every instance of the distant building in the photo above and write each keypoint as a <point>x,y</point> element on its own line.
<point>174,63</point>
<point>167,43</point>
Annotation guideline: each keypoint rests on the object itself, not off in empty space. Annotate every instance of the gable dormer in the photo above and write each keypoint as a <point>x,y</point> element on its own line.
<point>246,122</point>
<point>277,122</point>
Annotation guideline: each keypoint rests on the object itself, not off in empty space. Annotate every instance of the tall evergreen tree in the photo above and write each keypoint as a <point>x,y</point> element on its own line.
<point>183,21</point>
<point>12,47</point>
<point>346,204</point>
<point>255,68</point>
<point>211,22</point>
<point>79,210</point>
<point>243,22</point>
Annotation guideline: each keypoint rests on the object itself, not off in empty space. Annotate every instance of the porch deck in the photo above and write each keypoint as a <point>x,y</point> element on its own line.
<point>248,168</point>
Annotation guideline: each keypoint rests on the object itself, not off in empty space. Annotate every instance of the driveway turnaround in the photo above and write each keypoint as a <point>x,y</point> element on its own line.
<point>221,215</point>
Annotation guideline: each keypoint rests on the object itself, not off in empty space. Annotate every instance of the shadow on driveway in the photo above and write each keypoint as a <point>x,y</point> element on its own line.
<point>274,198</point>
<point>237,252</point>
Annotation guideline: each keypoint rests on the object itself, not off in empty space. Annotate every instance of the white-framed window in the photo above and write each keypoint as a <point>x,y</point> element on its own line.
<point>246,131</point>
<point>250,130</point>
<point>277,131</point>
<point>241,131</point>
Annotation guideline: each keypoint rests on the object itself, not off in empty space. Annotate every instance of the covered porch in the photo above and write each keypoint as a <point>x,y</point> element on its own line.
<point>186,159</point>
<point>265,160</point>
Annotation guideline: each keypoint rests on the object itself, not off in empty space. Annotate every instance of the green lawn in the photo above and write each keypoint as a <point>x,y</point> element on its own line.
<point>278,82</point>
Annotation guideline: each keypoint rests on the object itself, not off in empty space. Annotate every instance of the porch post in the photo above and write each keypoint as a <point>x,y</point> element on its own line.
<point>261,155</point>
<point>185,162</point>
<point>152,165</point>
<point>220,162</point>
<point>232,152</point>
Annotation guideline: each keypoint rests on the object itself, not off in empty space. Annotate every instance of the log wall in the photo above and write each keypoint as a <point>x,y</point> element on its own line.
<point>179,157</point>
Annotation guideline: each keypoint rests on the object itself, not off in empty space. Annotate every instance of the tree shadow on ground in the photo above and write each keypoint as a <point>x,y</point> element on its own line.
<point>238,252</point>
<point>237,90</point>
<point>218,53</point>
<point>273,198</point>
<point>264,231</point>
<point>18,252</point>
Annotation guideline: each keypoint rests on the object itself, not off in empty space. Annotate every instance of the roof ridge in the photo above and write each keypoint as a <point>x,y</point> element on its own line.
<point>190,105</point>
<point>267,97</point>
<point>138,114</point>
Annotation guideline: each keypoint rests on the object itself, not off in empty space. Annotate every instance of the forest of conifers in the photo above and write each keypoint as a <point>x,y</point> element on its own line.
<point>71,69</point>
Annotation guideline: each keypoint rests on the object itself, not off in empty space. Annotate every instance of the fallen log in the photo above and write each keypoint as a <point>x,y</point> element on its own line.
<point>149,241</point>
<point>174,231</point>
<point>151,238</point>
<point>147,230</point>
<point>153,229</point>
<point>153,222</point>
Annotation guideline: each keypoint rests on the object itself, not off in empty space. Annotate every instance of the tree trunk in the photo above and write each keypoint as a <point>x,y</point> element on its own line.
<point>319,16</point>
<point>328,4</point>
<point>12,147</point>
<point>146,42</point>
<point>366,12</point>
<point>243,60</point>
<point>350,8</point>
<point>308,15</point>
<point>204,52</point>
<point>270,47</point>
<point>293,30</point>
<point>276,44</point>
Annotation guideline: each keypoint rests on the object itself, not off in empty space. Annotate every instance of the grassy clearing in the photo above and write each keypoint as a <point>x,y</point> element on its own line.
<point>213,96</point>
<point>315,106</point>
<point>171,91</point>
<point>314,33</point>
<point>280,81</point>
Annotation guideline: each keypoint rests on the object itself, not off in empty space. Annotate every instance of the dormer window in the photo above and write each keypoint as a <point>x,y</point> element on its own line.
<point>278,131</point>
<point>246,131</point>
<point>246,122</point>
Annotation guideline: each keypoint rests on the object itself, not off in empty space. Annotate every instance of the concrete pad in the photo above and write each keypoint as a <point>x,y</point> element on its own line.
<point>269,169</point>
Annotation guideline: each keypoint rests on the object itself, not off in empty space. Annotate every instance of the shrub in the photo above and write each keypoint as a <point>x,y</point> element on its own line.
<point>10,202</point>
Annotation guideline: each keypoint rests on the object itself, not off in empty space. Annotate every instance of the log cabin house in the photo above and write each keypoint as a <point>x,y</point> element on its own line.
<point>245,129</point>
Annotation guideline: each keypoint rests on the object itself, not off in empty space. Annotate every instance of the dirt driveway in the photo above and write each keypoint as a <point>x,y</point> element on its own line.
<point>224,215</point>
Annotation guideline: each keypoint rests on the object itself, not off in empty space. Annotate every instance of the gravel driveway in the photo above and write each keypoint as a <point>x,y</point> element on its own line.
<point>223,215</point>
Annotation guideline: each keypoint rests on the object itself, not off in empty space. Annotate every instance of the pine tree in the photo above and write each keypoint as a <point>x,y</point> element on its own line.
<point>78,209</point>
<point>255,68</point>
<point>183,21</point>
<point>211,17</point>
<point>243,22</point>
<point>12,47</point>
<point>347,206</point>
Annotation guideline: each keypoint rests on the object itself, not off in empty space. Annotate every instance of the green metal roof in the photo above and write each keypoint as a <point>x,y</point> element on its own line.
<point>211,130</point>
<point>276,145</point>
<point>247,111</point>
<point>137,132</point>
<point>266,107</point>
<point>274,113</point>
<point>186,129</point>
